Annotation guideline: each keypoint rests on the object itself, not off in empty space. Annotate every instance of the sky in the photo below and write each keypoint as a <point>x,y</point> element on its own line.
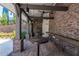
<point>1,8</point>
<point>10,13</point>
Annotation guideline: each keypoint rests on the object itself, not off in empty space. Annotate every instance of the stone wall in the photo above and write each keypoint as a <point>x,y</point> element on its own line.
<point>7,28</point>
<point>66,23</point>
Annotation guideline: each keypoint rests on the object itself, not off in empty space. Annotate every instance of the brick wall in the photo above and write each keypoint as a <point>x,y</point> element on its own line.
<point>66,23</point>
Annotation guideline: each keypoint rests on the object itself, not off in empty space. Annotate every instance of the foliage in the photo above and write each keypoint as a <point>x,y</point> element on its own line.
<point>4,20</point>
<point>14,19</point>
<point>8,35</point>
<point>23,35</point>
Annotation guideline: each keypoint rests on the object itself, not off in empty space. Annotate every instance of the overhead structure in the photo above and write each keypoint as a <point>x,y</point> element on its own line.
<point>26,8</point>
<point>35,17</point>
<point>44,7</point>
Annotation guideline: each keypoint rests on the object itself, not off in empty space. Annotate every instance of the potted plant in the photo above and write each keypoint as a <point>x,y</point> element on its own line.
<point>23,36</point>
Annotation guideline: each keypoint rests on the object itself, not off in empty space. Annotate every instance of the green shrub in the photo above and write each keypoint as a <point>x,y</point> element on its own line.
<point>4,20</point>
<point>14,19</point>
<point>8,35</point>
<point>23,35</point>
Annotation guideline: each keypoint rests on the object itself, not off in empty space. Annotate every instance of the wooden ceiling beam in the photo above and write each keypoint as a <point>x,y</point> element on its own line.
<point>34,17</point>
<point>43,7</point>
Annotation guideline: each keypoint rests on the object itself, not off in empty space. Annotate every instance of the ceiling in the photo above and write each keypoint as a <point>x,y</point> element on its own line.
<point>32,12</point>
<point>38,12</point>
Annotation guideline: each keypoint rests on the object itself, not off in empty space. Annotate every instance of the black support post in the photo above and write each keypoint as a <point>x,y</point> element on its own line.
<point>38,49</point>
<point>21,40</point>
<point>21,46</point>
<point>32,29</point>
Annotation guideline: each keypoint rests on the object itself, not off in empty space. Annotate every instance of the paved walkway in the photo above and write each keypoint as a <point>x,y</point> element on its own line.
<point>47,49</point>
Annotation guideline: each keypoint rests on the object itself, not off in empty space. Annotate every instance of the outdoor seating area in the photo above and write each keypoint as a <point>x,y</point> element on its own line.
<point>43,29</point>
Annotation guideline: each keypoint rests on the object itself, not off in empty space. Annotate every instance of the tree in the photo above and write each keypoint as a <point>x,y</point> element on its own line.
<point>3,20</point>
<point>14,19</point>
<point>0,19</point>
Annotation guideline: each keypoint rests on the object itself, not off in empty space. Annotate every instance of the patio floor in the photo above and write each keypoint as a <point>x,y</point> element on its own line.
<point>47,49</point>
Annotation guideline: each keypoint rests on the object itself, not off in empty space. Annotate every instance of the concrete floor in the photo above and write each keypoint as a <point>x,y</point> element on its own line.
<point>47,49</point>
